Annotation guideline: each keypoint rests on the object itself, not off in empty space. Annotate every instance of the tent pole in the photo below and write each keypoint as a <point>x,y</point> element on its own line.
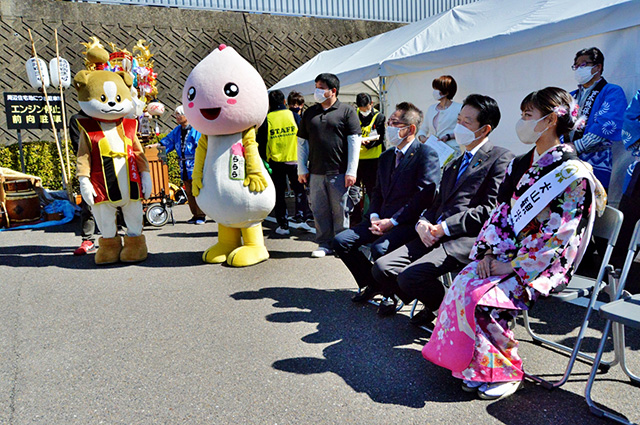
<point>382,95</point>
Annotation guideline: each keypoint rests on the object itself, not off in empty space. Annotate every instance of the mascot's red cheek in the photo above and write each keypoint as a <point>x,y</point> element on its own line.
<point>232,101</point>
<point>210,113</point>
<point>190,105</point>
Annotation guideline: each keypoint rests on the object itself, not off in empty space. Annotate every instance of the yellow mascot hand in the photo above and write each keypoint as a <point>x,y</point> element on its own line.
<point>201,154</point>
<point>254,179</point>
<point>256,182</point>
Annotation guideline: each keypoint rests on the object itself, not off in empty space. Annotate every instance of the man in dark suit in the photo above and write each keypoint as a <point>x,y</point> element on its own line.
<point>447,229</point>
<point>407,178</point>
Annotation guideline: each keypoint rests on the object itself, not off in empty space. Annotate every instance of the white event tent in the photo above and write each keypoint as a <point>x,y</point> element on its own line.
<point>501,48</point>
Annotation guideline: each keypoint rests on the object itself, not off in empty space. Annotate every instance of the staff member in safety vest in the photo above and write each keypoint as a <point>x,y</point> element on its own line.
<point>372,124</point>
<point>279,136</point>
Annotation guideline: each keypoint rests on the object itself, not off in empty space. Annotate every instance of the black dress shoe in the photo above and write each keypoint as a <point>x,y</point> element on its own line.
<point>364,296</point>
<point>424,317</point>
<point>388,306</point>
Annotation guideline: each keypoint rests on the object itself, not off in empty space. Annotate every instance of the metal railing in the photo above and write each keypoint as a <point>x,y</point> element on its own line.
<point>371,10</point>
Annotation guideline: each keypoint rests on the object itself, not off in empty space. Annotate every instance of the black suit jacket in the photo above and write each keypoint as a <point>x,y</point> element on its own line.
<point>402,193</point>
<point>465,204</point>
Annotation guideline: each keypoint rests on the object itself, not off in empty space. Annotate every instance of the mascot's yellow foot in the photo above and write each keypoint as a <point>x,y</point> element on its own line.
<point>247,256</point>
<point>109,250</point>
<point>217,253</point>
<point>134,250</point>
<point>253,251</point>
<point>228,240</point>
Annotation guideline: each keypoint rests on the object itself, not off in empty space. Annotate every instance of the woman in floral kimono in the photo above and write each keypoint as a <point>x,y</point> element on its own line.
<point>530,245</point>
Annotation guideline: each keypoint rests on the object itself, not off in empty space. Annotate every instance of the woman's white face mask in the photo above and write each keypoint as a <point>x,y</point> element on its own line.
<point>464,136</point>
<point>525,129</point>
<point>437,95</point>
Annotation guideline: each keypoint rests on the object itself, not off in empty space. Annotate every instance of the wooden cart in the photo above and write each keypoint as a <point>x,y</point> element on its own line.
<point>158,207</point>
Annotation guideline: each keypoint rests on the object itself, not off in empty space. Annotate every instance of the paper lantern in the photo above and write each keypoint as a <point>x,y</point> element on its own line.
<point>155,108</point>
<point>65,73</point>
<point>34,76</point>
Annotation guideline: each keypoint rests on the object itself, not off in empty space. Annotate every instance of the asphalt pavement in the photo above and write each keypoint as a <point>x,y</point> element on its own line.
<point>175,341</point>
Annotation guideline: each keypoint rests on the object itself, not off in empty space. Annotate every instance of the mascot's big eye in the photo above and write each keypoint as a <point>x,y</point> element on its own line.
<point>103,98</point>
<point>191,94</point>
<point>118,98</point>
<point>231,90</point>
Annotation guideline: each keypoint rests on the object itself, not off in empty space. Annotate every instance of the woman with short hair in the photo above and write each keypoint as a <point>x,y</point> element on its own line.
<point>441,117</point>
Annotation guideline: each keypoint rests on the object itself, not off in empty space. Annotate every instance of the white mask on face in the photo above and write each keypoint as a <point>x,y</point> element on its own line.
<point>464,136</point>
<point>393,136</point>
<point>525,129</point>
<point>318,95</point>
<point>365,113</point>
<point>583,74</point>
<point>437,95</point>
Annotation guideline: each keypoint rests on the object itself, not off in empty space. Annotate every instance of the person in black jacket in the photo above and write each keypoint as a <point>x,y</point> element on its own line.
<point>447,229</point>
<point>407,178</point>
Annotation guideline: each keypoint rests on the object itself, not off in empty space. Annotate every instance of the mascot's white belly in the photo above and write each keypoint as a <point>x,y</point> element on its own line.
<point>223,196</point>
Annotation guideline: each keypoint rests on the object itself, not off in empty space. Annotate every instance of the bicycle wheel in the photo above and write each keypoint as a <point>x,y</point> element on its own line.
<point>157,215</point>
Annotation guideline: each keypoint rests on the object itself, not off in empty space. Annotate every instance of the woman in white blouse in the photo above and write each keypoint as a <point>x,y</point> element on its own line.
<point>441,117</point>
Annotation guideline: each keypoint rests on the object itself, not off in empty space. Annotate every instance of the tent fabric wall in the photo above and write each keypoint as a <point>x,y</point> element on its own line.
<point>501,48</point>
<point>508,79</point>
<point>464,34</point>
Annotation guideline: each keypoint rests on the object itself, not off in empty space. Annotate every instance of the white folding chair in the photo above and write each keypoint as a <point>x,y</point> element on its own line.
<point>623,311</point>
<point>606,227</point>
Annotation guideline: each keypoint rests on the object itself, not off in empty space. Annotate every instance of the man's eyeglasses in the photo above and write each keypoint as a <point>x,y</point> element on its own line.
<point>582,65</point>
<point>394,123</point>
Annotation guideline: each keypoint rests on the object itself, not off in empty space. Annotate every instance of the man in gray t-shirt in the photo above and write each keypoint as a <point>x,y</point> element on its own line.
<point>328,149</point>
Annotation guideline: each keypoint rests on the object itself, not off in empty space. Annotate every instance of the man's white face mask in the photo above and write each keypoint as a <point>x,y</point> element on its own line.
<point>318,95</point>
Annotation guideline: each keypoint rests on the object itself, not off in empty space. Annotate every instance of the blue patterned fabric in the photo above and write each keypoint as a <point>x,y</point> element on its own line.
<point>631,134</point>
<point>604,126</point>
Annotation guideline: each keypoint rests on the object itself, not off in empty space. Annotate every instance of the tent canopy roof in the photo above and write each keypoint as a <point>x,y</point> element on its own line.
<point>464,34</point>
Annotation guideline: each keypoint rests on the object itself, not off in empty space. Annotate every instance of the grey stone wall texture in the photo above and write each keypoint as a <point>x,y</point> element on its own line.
<point>275,45</point>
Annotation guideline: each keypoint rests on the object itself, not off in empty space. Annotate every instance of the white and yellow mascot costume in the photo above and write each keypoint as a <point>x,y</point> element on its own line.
<point>225,99</point>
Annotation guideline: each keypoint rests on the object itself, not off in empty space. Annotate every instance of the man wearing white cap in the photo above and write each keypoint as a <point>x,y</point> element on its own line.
<point>184,140</point>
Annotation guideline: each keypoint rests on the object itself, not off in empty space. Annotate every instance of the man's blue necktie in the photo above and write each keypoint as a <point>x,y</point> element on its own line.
<point>465,163</point>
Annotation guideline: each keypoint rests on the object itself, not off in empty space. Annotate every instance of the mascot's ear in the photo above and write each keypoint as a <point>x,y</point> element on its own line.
<point>81,79</point>
<point>128,79</point>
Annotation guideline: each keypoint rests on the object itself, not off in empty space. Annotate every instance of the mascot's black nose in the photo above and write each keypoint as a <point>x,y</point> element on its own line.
<point>112,104</point>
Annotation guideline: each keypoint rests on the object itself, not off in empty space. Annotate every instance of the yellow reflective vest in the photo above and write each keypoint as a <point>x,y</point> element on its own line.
<point>282,139</point>
<point>372,153</point>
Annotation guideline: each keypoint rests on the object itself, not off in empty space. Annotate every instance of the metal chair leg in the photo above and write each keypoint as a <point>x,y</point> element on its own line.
<point>587,392</point>
<point>619,346</point>
<point>413,309</point>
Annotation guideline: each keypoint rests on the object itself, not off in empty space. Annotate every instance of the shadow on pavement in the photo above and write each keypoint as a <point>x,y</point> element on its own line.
<point>56,256</point>
<point>370,353</point>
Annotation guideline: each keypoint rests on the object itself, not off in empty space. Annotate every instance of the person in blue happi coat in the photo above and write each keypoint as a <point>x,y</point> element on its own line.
<point>603,105</point>
<point>184,140</point>
<point>629,204</point>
